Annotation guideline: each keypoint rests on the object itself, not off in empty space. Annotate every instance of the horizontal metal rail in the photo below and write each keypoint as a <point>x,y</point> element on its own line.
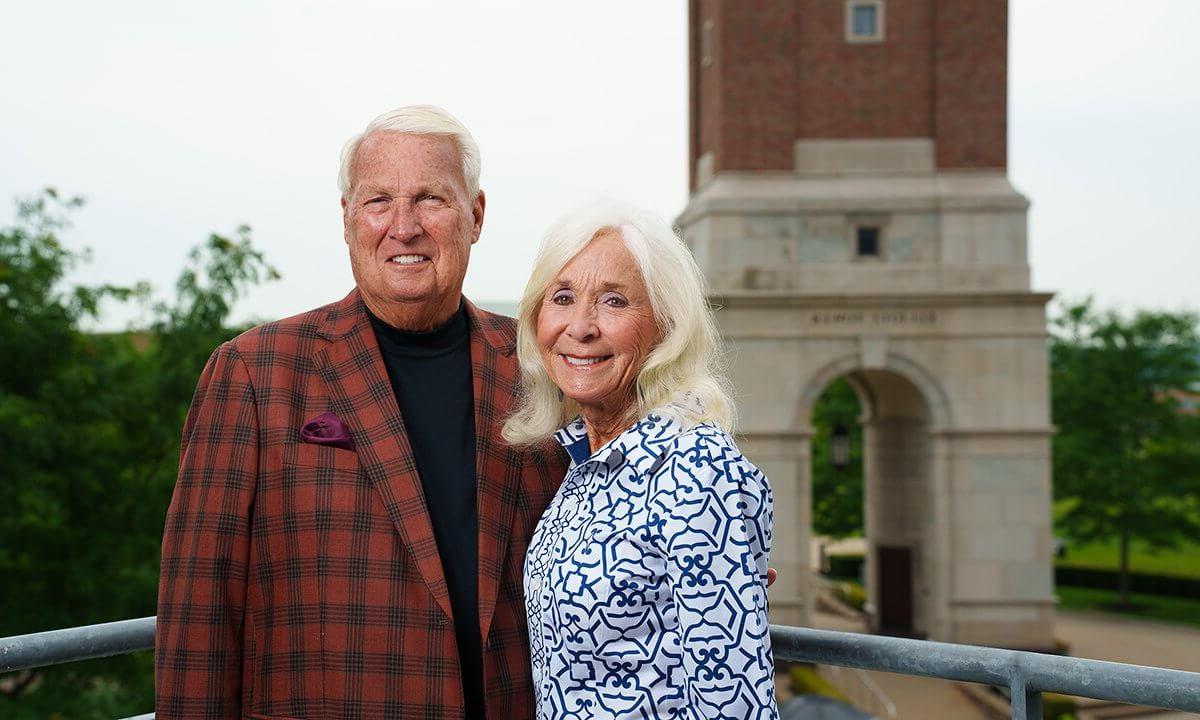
<point>22,652</point>
<point>1026,674</point>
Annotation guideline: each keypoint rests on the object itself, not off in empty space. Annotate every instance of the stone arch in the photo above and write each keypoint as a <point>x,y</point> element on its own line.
<point>940,410</point>
<point>903,406</point>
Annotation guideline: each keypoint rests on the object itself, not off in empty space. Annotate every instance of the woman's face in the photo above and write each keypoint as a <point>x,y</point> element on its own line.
<point>595,326</point>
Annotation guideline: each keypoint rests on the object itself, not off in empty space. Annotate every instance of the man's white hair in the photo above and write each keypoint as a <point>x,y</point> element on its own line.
<point>687,361</point>
<point>417,120</point>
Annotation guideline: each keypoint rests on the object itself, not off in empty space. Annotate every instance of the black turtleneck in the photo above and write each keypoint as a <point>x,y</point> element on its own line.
<point>430,373</point>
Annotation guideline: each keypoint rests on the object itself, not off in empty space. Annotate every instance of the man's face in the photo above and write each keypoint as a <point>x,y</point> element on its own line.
<point>410,224</point>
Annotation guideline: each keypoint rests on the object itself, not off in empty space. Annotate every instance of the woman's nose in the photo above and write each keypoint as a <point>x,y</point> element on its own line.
<point>582,323</point>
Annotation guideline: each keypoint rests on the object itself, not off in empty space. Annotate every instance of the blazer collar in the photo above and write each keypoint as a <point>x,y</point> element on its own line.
<point>497,465</point>
<point>348,315</point>
<point>352,367</point>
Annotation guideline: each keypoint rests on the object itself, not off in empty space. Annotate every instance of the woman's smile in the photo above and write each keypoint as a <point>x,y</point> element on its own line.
<point>596,327</point>
<point>584,362</point>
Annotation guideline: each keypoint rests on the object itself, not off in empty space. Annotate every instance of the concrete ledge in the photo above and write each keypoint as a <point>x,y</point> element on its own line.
<point>733,193</point>
<point>848,157</point>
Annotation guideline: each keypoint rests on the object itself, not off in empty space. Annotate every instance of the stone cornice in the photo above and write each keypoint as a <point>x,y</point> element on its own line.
<point>788,299</point>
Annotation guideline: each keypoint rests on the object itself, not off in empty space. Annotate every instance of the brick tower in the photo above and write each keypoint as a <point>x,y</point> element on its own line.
<point>851,209</point>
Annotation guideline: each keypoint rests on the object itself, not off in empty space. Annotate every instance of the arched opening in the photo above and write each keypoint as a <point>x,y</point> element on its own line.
<point>872,447</point>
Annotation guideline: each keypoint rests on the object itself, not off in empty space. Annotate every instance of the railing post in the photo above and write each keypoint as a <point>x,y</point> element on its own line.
<point>1026,702</point>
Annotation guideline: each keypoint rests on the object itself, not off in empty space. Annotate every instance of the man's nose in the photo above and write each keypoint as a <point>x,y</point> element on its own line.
<point>582,323</point>
<point>405,221</point>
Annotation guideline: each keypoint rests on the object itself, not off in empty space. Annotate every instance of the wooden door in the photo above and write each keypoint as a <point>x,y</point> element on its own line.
<point>895,590</point>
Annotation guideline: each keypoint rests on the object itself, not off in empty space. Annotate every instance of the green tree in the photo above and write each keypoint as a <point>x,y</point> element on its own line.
<point>89,435</point>
<point>1123,451</point>
<point>837,492</point>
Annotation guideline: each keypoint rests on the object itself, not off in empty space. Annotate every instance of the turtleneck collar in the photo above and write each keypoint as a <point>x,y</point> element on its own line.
<point>439,341</point>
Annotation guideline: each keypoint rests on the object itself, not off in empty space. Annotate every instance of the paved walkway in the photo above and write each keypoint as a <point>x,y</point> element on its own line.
<point>1128,640</point>
<point>1090,635</point>
<point>915,698</point>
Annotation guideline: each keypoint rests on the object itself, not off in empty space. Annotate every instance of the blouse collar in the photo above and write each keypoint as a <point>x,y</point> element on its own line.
<point>641,444</point>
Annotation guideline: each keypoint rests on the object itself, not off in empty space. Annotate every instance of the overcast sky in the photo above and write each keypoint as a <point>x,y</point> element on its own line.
<point>181,119</point>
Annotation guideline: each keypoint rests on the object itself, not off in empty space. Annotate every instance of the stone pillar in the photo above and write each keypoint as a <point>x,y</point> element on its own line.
<point>1002,584</point>
<point>786,460</point>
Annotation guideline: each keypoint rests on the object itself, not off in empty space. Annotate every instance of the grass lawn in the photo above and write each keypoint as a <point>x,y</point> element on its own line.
<point>1181,562</point>
<point>1147,607</point>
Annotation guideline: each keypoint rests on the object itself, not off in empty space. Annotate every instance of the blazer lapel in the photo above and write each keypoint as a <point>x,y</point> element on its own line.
<point>352,368</point>
<point>494,374</point>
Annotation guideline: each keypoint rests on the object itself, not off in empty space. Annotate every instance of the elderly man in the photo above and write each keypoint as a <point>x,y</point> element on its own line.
<point>348,530</point>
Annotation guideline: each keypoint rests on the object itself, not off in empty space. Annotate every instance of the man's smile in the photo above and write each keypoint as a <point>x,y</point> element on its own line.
<point>408,259</point>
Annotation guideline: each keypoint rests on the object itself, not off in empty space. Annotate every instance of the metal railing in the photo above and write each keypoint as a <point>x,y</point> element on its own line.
<point>24,652</point>
<point>862,692</point>
<point>1026,674</point>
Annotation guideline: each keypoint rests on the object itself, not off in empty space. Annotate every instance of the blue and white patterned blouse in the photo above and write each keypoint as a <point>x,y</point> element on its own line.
<point>645,581</point>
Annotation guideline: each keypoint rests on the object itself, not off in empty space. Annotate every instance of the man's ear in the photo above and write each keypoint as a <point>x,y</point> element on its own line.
<point>477,208</point>
<point>345,220</point>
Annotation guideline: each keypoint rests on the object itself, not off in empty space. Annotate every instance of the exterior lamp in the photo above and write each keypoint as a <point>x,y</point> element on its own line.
<point>839,447</point>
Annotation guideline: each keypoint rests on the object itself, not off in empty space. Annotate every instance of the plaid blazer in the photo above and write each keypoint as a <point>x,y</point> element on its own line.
<point>302,580</point>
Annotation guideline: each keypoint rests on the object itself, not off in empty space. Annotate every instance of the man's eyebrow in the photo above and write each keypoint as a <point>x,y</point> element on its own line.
<point>433,188</point>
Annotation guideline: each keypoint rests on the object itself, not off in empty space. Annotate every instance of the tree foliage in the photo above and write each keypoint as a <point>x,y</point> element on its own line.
<point>89,436</point>
<point>1124,452</point>
<point>837,492</point>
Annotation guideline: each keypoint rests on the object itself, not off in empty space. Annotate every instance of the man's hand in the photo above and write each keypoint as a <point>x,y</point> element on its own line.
<point>771,574</point>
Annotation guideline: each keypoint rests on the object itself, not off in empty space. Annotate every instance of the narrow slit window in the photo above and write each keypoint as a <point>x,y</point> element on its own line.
<point>867,241</point>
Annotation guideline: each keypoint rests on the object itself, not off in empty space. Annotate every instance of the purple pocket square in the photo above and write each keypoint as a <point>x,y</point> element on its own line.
<point>327,429</point>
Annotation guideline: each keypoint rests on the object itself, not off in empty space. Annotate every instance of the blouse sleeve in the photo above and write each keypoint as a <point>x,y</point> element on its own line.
<point>715,510</point>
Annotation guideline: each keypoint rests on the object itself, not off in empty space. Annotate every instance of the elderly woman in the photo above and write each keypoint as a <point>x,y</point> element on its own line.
<point>645,581</point>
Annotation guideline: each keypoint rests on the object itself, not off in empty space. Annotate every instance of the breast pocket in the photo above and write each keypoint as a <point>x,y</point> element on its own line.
<point>321,456</point>
<point>310,496</point>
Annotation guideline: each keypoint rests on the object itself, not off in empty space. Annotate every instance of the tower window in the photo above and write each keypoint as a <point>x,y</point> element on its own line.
<point>864,21</point>
<point>866,241</point>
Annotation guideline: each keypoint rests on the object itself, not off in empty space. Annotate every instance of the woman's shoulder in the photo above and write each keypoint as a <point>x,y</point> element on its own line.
<point>706,437</point>
<point>709,447</point>
<point>705,475</point>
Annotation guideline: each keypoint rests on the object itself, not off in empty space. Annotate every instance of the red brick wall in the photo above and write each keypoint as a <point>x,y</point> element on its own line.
<point>705,100</point>
<point>880,90</point>
<point>782,70</point>
<point>747,97</point>
<point>971,106</point>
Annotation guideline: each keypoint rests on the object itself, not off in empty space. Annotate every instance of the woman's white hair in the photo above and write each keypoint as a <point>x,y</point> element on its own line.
<point>417,120</point>
<point>687,361</point>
